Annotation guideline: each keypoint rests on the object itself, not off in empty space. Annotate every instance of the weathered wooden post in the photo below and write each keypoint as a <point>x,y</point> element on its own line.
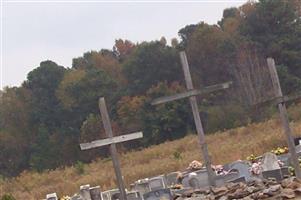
<point>111,141</point>
<point>284,116</point>
<point>191,93</point>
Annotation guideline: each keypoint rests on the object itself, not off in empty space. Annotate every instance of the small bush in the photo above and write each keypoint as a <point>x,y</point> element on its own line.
<point>177,155</point>
<point>79,167</point>
<point>7,197</point>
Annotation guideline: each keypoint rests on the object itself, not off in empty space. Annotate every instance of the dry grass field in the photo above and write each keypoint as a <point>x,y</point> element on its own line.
<point>224,147</point>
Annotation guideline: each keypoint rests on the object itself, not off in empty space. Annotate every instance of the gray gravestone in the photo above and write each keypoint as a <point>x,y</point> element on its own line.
<point>95,193</point>
<point>285,172</point>
<point>242,168</point>
<point>111,194</point>
<point>193,181</point>
<point>142,186</point>
<point>51,196</point>
<point>298,149</point>
<point>275,174</point>
<point>84,191</point>
<point>196,179</point>
<point>162,194</point>
<point>270,162</point>
<point>285,159</point>
<point>171,178</point>
<point>133,195</point>
<point>157,183</point>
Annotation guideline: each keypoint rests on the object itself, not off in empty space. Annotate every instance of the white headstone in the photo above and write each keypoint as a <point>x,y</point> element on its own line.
<point>51,196</point>
<point>270,162</point>
<point>84,192</point>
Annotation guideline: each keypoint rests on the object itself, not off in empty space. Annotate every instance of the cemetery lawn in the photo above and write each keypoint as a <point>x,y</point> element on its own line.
<point>170,156</point>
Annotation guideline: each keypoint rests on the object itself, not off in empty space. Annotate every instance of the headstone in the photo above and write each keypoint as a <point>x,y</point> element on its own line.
<point>162,194</point>
<point>242,168</point>
<point>275,174</point>
<point>84,191</point>
<point>193,181</point>
<point>171,178</point>
<point>285,159</point>
<point>157,183</point>
<point>133,195</point>
<point>51,196</point>
<point>196,179</point>
<point>298,149</point>
<point>111,194</point>
<point>285,172</point>
<point>142,186</point>
<point>95,193</point>
<point>270,162</point>
<point>116,196</point>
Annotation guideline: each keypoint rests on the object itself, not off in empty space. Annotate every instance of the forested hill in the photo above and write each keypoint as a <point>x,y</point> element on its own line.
<point>43,121</point>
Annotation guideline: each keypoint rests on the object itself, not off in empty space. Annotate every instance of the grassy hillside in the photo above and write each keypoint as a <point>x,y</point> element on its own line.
<point>224,147</point>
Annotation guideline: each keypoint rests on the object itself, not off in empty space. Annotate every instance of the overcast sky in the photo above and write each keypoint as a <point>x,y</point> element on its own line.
<point>33,32</point>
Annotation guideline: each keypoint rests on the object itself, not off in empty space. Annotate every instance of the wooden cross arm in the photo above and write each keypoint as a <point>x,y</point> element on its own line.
<point>282,99</point>
<point>107,141</point>
<point>190,93</point>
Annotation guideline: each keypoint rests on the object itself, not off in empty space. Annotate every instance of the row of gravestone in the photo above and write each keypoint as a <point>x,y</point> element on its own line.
<point>158,187</point>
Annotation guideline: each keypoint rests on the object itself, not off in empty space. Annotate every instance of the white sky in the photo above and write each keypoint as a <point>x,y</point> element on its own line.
<point>36,31</point>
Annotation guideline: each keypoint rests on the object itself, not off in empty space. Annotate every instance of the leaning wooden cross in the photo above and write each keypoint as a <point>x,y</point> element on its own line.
<point>112,142</point>
<point>191,93</point>
<point>280,101</point>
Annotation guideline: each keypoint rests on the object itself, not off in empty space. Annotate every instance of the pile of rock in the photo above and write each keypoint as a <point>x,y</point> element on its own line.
<point>289,188</point>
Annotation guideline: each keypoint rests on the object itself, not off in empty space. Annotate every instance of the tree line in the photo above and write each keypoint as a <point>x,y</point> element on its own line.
<point>43,121</point>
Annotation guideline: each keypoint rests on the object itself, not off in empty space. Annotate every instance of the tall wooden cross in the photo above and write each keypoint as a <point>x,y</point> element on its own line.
<point>191,93</point>
<point>111,141</point>
<point>280,101</point>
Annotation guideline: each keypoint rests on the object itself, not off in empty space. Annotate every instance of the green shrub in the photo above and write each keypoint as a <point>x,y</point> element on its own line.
<point>7,197</point>
<point>177,155</point>
<point>79,167</point>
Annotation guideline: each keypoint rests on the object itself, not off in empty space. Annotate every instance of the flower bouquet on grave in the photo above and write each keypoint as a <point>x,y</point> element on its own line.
<point>280,150</point>
<point>65,198</point>
<point>195,165</point>
<point>252,158</point>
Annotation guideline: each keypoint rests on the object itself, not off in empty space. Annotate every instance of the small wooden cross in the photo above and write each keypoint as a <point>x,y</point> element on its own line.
<point>111,141</point>
<point>280,100</point>
<point>191,93</point>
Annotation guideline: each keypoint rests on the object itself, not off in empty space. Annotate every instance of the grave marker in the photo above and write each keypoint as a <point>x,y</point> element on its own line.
<point>84,191</point>
<point>171,178</point>
<point>283,116</point>
<point>133,195</point>
<point>243,169</point>
<point>275,173</point>
<point>162,194</point>
<point>51,196</point>
<point>110,194</point>
<point>142,186</point>
<point>95,193</point>
<point>156,183</point>
<point>191,93</point>
<point>270,162</point>
<point>111,141</point>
